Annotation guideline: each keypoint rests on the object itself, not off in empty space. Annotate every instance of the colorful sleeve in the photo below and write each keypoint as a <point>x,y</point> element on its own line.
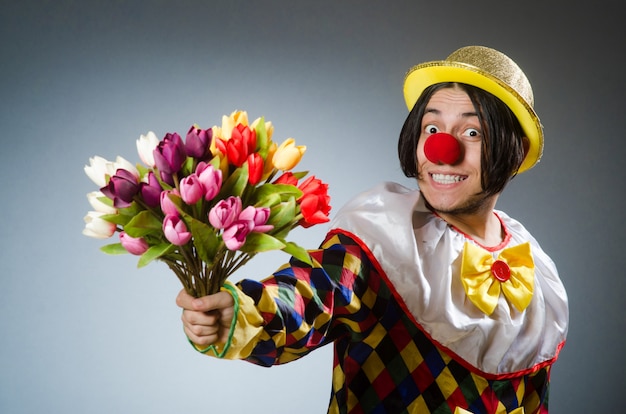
<point>304,307</point>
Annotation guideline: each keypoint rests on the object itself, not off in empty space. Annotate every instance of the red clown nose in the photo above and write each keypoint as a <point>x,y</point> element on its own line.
<point>442,148</point>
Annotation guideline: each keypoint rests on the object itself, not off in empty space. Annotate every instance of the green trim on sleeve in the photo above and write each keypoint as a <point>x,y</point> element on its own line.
<point>213,348</point>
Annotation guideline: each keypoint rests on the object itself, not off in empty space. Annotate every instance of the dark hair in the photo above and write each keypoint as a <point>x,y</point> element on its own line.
<point>503,138</point>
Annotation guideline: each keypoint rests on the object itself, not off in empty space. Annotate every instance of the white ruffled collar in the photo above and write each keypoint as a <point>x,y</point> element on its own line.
<point>420,255</point>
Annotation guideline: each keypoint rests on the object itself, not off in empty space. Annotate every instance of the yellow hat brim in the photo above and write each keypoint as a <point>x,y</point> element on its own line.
<point>426,74</point>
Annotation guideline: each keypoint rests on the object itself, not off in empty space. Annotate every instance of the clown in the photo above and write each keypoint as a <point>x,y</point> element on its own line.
<point>433,300</point>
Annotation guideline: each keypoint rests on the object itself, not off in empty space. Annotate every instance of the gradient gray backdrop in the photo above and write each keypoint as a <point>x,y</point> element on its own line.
<point>82,332</point>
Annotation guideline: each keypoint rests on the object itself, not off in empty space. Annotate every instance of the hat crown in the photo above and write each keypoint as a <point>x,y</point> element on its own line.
<point>498,65</point>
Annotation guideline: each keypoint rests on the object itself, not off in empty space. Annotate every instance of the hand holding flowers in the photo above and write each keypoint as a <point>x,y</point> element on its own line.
<point>206,205</point>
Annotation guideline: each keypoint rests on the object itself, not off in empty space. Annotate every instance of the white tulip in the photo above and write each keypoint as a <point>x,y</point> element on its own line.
<point>96,227</point>
<point>95,200</point>
<point>146,145</point>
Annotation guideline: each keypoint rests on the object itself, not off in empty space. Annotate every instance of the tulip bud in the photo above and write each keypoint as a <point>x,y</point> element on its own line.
<point>146,144</point>
<point>169,156</point>
<point>314,203</point>
<point>96,227</point>
<point>230,122</point>
<point>122,188</point>
<point>175,230</point>
<point>255,168</point>
<point>133,245</point>
<point>167,205</point>
<point>198,142</point>
<point>225,212</point>
<point>258,217</point>
<point>210,179</point>
<point>151,190</point>
<point>287,178</point>
<point>98,169</point>
<point>94,199</point>
<point>288,155</point>
<point>191,190</point>
<point>235,235</point>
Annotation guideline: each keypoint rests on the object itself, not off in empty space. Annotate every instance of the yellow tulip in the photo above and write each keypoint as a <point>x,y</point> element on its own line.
<point>288,155</point>
<point>229,122</point>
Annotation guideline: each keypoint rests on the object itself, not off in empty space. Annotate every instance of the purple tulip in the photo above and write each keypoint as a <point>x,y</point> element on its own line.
<point>167,205</point>
<point>133,245</point>
<point>210,179</point>
<point>151,191</point>
<point>225,212</point>
<point>191,190</point>
<point>235,235</point>
<point>122,188</point>
<point>258,217</point>
<point>198,142</point>
<point>175,230</point>
<point>169,156</point>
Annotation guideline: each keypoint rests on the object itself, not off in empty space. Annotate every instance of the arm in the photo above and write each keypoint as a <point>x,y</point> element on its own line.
<point>287,315</point>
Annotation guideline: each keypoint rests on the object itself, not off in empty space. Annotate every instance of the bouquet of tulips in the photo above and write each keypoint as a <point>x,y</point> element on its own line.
<point>206,205</point>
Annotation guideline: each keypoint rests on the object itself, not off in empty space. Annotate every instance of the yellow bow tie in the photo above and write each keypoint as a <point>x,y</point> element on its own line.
<point>459,410</point>
<point>512,273</point>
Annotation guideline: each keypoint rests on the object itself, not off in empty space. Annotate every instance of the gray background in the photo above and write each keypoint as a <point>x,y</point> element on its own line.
<point>86,332</point>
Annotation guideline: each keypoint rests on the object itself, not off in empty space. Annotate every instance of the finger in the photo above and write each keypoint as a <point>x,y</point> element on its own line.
<point>217,301</point>
<point>201,330</point>
<point>202,340</point>
<point>200,318</point>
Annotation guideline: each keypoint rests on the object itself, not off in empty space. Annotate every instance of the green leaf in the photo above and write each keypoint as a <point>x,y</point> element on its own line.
<point>205,239</point>
<point>154,252</point>
<point>116,219</point>
<point>115,248</point>
<point>236,183</point>
<point>131,210</point>
<point>262,140</point>
<point>298,252</point>
<point>142,224</point>
<point>283,213</point>
<point>269,191</point>
<point>269,200</point>
<point>143,170</point>
<point>261,242</point>
<point>300,174</point>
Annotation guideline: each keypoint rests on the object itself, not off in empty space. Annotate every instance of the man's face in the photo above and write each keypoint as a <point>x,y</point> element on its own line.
<point>453,189</point>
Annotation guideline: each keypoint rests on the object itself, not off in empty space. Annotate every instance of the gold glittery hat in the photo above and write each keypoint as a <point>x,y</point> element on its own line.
<point>491,71</point>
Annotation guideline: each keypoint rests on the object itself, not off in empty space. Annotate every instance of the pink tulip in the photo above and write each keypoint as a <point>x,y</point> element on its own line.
<point>191,190</point>
<point>225,212</point>
<point>133,245</point>
<point>258,217</point>
<point>175,230</point>
<point>210,178</point>
<point>235,236</point>
<point>167,205</point>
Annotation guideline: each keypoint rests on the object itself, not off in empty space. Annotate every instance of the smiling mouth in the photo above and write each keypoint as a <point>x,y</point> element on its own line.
<point>447,178</point>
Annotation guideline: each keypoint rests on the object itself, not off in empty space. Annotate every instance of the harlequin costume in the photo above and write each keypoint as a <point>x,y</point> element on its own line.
<point>423,319</point>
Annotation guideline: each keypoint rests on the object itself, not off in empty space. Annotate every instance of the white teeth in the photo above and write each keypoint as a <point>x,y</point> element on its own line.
<point>447,179</point>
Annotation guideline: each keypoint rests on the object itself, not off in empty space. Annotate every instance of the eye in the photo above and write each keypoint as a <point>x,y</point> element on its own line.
<point>472,133</point>
<point>431,129</point>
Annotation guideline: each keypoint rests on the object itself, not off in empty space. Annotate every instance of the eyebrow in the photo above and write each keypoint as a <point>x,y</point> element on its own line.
<point>438,112</point>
